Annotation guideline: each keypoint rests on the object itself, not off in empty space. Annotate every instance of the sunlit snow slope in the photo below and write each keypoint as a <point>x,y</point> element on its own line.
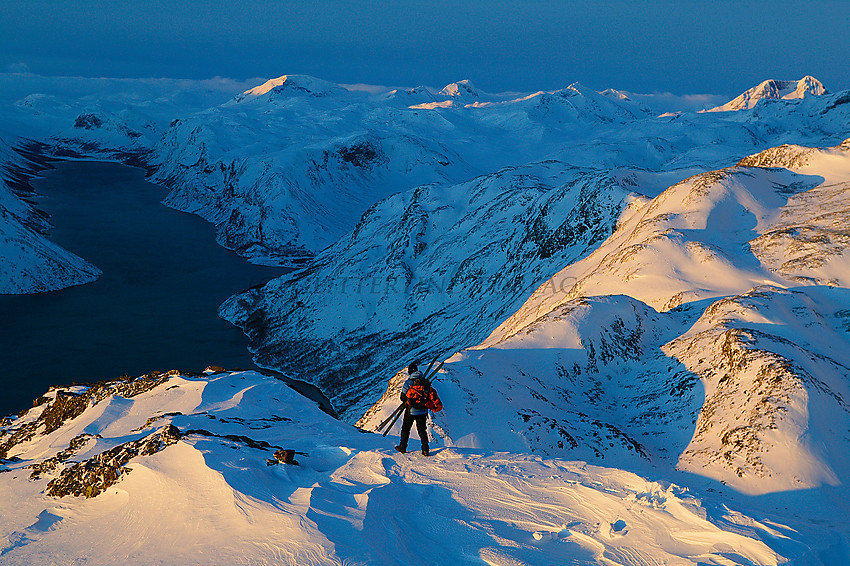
<point>772,89</point>
<point>709,332</point>
<point>176,471</point>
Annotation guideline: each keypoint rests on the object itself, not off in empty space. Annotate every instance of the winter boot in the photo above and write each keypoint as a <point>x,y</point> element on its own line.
<point>401,449</point>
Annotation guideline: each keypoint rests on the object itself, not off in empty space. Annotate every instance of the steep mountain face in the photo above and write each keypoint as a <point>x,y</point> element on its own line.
<point>773,89</point>
<point>448,262</point>
<point>706,315</point>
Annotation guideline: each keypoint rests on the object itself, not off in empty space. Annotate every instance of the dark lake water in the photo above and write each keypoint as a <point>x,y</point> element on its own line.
<point>153,309</point>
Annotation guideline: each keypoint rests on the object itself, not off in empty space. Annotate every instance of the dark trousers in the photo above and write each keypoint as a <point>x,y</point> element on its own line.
<point>421,428</point>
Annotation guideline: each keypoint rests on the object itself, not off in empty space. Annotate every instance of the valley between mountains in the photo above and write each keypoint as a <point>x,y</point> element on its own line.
<point>644,319</point>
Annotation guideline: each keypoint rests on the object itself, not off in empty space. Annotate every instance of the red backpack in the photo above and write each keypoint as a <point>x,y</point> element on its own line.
<point>422,396</point>
<point>433,402</point>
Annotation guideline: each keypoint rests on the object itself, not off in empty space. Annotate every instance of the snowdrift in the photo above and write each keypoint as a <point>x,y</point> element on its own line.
<point>199,490</point>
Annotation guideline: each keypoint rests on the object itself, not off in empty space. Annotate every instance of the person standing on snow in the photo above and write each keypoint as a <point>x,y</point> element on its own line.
<point>418,396</point>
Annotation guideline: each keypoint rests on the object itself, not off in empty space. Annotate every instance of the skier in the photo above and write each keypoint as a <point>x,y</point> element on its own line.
<point>418,396</point>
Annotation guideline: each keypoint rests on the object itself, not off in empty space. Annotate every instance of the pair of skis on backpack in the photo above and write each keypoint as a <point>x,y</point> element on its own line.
<point>391,420</point>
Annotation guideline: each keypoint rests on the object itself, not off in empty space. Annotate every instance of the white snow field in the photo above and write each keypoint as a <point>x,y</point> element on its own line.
<point>210,497</point>
<point>645,323</point>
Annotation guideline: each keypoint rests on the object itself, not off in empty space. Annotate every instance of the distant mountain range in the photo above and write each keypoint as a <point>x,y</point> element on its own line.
<point>667,296</point>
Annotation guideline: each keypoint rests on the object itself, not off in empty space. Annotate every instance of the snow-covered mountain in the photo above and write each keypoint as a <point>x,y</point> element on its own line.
<point>773,89</point>
<point>664,296</point>
<point>75,117</point>
<point>175,469</point>
<point>409,243</point>
<point>432,269</point>
<point>707,332</point>
<point>287,168</point>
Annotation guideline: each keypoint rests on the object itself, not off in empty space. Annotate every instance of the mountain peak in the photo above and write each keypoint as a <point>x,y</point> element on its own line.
<point>291,84</point>
<point>463,88</point>
<point>774,89</point>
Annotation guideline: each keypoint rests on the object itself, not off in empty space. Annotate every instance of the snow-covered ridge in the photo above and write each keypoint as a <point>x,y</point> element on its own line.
<point>288,84</point>
<point>715,313</point>
<point>772,90</point>
<point>447,262</point>
<point>287,168</point>
<point>175,468</point>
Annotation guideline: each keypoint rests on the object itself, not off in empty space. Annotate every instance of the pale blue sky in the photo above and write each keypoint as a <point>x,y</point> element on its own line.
<point>720,47</point>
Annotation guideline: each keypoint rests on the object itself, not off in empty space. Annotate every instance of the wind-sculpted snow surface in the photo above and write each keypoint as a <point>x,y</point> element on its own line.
<point>434,268</point>
<point>708,332</point>
<point>195,487</point>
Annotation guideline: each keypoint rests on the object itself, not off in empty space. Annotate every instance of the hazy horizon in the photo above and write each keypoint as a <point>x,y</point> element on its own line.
<point>654,47</point>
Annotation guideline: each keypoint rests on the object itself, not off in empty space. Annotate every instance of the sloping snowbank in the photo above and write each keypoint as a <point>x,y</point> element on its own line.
<point>708,333</point>
<point>209,497</point>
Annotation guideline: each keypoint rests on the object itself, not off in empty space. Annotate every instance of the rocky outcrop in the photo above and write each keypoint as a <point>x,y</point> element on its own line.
<point>62,404</point>
<point>92,477</point>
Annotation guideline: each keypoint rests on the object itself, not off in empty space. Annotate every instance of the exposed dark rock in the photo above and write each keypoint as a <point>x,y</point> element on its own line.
<point>88,122</point>
<point>51,464</point>
<point>249,442</point>
<point>93,476</point>
<point>283,457</point>
<point>67,405</point>
<point>361,154</point>
<point>155,418</point>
